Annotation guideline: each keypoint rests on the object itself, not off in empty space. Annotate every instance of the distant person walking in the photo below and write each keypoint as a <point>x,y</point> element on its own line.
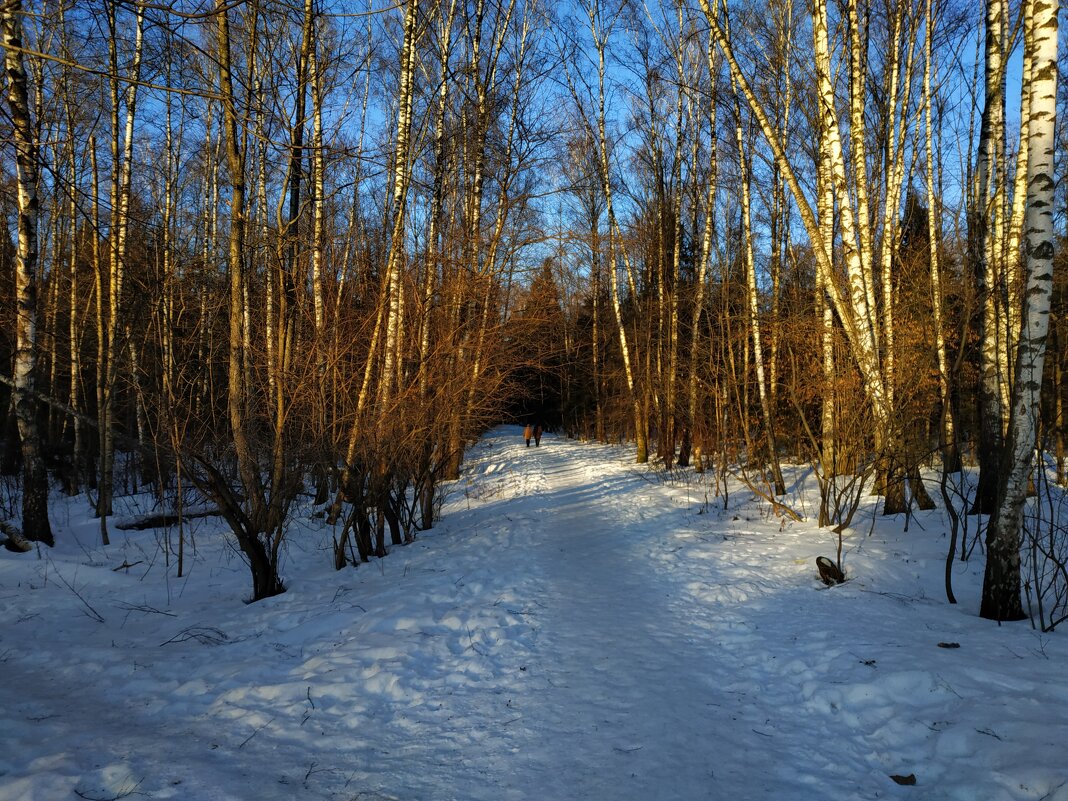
<point>537,436</point>
<point>528,432</point>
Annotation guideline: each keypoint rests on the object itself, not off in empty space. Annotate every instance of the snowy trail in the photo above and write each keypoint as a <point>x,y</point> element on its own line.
<point>572,630</point>
<point>615,703</point>
<point>649,691</point>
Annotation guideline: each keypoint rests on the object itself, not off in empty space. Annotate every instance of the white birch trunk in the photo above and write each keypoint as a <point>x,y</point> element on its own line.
<point>615,240</point>
<point>121,177</point>
<point>35,523</point>
<point>950,454</point>
<point>399,204</point>
<point>706,249</point>
<point>753,303</point>
<point>989,202</point>
<point>1001,585</point>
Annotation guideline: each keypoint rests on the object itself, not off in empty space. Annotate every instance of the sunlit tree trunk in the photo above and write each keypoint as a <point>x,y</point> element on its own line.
<point>615,244</point>
<point>779,216</point>
<point>703,259</point>
<point>248,527</point>
<point>432,267</point>
<point>898,124</point>
<point>318,199</point>
<point>1012,257</point>
<point>98,296</point>
<point>489,270</point>
<point>950,452</point>
<point>828,435</point>
<point>398,209</point>
<point>669,432</point>
<point>74,301</point>
<point>437,195</point>
<point>753,302</point>
<point>121,177</point>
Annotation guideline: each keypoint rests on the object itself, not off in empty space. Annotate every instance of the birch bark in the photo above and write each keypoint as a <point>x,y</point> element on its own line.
<point>121,177</point>
<point>989,206</point>
<point>401,178</point>
<point>1001,583</point>
<point>950,453</point>
<point>753,303</point>
<point>35,524</point>
<point>600,35</point>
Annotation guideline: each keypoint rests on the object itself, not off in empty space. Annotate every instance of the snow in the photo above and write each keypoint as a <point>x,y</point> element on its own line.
<point>576,627</point>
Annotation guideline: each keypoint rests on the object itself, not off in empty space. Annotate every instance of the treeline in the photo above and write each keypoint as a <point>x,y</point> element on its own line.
<point>278,247</point>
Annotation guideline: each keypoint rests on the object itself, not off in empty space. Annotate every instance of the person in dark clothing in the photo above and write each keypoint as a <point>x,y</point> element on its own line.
<point>537,436</point>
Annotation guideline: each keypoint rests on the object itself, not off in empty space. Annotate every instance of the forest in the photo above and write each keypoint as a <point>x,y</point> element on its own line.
<point>262,249</point>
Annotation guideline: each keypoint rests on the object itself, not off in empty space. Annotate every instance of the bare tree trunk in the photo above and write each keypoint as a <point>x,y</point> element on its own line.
<point>989,206</point>
<point>489,268</point>
<point>398,207</point>
<point>950,453</point>
<point>318,199</point>
<point>703,258</point>
<point>35,524</point>
<point>121,178</point>
<point>829,436</point>
<point>98,294</point>
<point>432,268</point>
<point>74,307</point>
<point>1001,583</point>
<point>247,527</point>
<point>595,332</point>
<point>753,304</point>
<point>641,435</point>
<point>898,93</point>
<point>437,194</point>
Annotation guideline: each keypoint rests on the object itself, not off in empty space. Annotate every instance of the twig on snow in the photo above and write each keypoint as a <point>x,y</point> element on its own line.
<point>91,612</point>
<point>148,610</point>
<point>205,635</point>
<point>254,733</point>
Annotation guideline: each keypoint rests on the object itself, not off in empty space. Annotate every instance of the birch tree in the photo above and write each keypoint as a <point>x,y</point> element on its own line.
<point>950,453</point>
<point>986,219</point>
<point>121,142</point>
<point>851,291</point>
<point>1001,582</point>
<point>35,524</point>
<point>600,31</point>
<point>705,255</point>
<point>753,300</point>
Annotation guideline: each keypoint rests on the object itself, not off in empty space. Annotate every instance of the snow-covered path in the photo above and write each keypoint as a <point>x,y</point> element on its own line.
<point>656,680</point>
<point>609,704</point>
<point>572,629</point>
